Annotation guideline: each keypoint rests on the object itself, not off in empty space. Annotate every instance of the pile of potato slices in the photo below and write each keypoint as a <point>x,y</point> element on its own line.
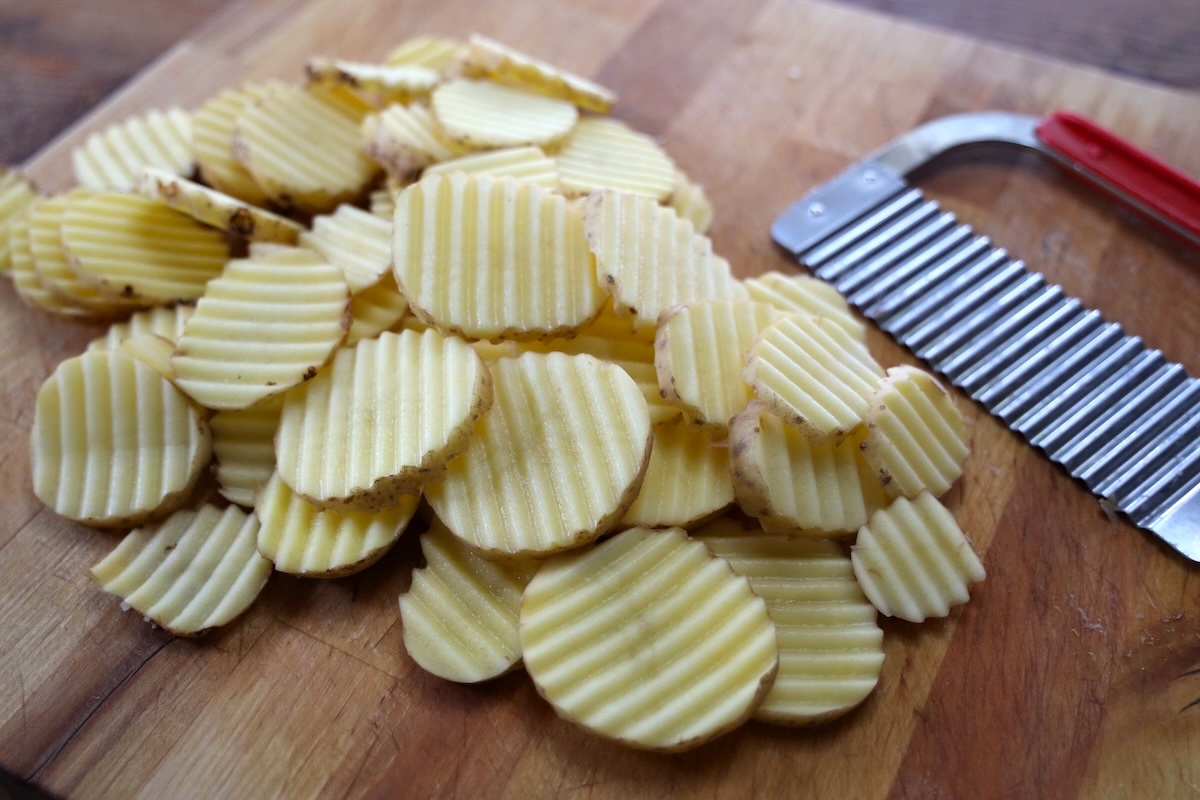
<point>450,288</point>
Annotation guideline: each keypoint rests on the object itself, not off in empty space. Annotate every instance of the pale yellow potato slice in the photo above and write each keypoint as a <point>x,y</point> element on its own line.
<point>493,259</point>
<point>380,83</point>
<point>699,354</point>
<point>301,147</point>
<point>522,163</point>
<point>830,642</point>
<point>690,202</point>
<point>195,571</point>
<point>916,437</point>
<point>357,241</point>
<point>648,639</point>
<point>812,373</point>
<point>382,203</point>
<point>791,483</point>
<point>217,209</point>
<point>480,115</point>
<point>17,194</point>
<point>486,58</point>
<point>138,249</point>
<point>244,449</point>
<point>213,127</point>
<point>112,158</point>
<point>804,294</point>
<point>114,443</point>
<point>687,481</point>
<point>555,464</point>
<point>605,153</point>
<point>913,561</point>
<point>152,350</point>
<point>25,276</point>
<point>434,52</point>
<point>461,612</point>
<point>302,540</point>
<point>53,265</point>
<point>164,321</point>
<point>649,259</point>
<point>376,309</point>
<point>382,420</point>
<point>405,139</point>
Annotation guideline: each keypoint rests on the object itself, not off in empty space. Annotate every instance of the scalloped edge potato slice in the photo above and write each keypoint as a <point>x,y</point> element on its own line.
<point>114,443</point>
<point>376,309</point>
<point>805,294</point>
<point>112,158</point>
<point>916,436</point>
<point>490,259</point>
<point>648,259</point>
<point>913,561</point>
<point>523,163</point>
<point>699,354</point>
<point>482,115</point>
<point>383,83</point>
<point>810,372</point>
<point>487,58</point>
<point>213,127</point>
<point>830,642</point>
<point>25,276</point>
<point>461,611</point>
<point>648,639</point>
<point>357,241</point>
<point>244,449</point>
<point>301,147</point>
<point>139,249</point>
<point>690,202</point>
<point>788,482</point>
<point>17,195</point>
<point>265,325</point>
<point>434,52</point>
<point>164,321</point>
<point>195,571</point>
<point>556,462</point>
<point>687,480</point>
<point>303,540</point>
<point>217,209</point>
<point>382,420</point>
<point>604,153</point>
<point>405,139</point>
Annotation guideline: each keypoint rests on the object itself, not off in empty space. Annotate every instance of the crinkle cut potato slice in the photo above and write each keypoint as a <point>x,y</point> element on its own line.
<point>492,259</point>
<point>382,420</point>
<point>244,449</point>
<point>404,139</point>
<point>523,163</point>
<point>460,614</point>
<point>397,83</point>
<point>810,372</point>
<point>604,153</point>
<point>804,294</point>
<point>25,276</point>
<point>112,158</point>
<point>357,241</point>
<point>164,321</point>
<point>687,482</point>
<point>481,115</point>
<point>114,443</point>
<point>690,202</point>
<point>265,325</point>
<point>213,127</point>
<point>216,209</point>
<point>556,462</point>
<point>376,309</point>
<point>489,59</point>
<point>434,52</point>
<point>648,639</point>
<point>17,194</point>
<point>649,259</point>
<point>195,571</point>
<point>830,642</point>
<point>303,540</point>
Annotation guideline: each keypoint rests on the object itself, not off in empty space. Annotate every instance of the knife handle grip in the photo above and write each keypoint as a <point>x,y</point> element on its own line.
<point>1161,192</point>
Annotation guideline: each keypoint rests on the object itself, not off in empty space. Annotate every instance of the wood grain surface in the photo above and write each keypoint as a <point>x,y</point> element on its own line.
<point>1074,672</point>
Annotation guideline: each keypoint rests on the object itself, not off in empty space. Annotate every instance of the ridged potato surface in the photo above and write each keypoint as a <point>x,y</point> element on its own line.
<point>113,157</point>
<point>605,153</point>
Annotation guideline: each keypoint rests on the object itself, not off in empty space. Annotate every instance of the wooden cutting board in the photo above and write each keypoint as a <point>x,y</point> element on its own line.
<point>1073,672</point>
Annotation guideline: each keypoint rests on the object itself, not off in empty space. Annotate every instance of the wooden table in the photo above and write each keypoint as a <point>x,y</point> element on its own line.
<point>1073,672</point>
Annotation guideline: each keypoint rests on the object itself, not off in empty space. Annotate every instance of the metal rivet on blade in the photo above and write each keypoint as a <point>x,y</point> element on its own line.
<point>816,209</point>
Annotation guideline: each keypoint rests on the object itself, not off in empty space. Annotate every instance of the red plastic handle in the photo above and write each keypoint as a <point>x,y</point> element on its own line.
<point>1160,189</point>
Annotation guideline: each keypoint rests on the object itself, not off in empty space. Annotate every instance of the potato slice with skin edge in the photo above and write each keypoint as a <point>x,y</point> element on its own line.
<point>382,83</point>
<point>25,276</point>
<point>17,194</point>
<point>213,129</point>
<point>490,59</point>
<point>699,354</point>
<point>461,611</point>
<point>916,437</point>
<point>481,115</point>
<point>492,259</point>
<point>303,540</point>
<point>217,209</point>
<point>405,139</point>
<point>690,202</point>
<point>913,561</point>
<point>804,294</point>
<point>830,642</point>
<point>195,571</point>
<point>364,431</point>
<point>111,159</point>
<point>649,260</point>
<point>687,480</point>
<point>357,241</point>
<point>604,153</point>
<point>789,482</point>
<point>698,650</point>
<point>265,325</point>
<point>114,443</point>
<point>555,464</point>
<point>808,371</point>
